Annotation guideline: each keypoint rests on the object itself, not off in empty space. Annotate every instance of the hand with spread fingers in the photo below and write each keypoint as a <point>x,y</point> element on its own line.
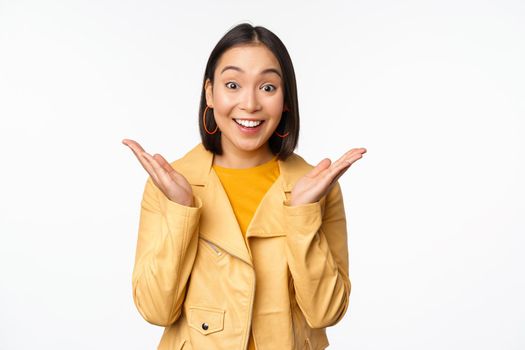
<point>172,183</point>
<point>320,180</point>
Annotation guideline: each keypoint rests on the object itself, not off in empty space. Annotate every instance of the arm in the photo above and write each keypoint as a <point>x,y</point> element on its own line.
<point>317,255</point>
<point>166,250</point>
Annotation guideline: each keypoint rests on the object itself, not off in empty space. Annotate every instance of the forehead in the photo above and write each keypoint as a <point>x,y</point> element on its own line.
<point>251,59</point>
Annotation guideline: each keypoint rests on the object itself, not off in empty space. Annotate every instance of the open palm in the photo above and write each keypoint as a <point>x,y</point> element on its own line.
<point>320,180</point>
<point>172,183</point>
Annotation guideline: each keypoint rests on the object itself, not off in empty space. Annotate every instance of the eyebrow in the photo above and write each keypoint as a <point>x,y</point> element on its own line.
<point>265,71</point>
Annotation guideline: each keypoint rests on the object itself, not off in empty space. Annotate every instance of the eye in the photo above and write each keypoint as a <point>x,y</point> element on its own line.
<point>231,85</point>
<point>269,88</point>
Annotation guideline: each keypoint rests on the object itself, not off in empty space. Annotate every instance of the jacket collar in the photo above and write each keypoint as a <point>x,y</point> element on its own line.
<point>198,163</point>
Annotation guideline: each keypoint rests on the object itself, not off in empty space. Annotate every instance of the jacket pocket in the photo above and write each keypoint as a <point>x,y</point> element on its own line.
<point>206,320</point>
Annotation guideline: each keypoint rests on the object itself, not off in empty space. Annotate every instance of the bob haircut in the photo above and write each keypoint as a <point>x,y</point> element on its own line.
<point>246,34</point>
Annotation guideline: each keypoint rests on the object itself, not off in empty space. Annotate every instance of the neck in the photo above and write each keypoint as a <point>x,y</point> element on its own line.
<point>239,159</point>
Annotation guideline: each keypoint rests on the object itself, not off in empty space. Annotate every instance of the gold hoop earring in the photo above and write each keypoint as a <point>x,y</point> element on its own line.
<point>204,123</point>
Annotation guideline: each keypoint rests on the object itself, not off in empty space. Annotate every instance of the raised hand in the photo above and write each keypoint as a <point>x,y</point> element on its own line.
<point>320,180</point>
<point>173,184</point>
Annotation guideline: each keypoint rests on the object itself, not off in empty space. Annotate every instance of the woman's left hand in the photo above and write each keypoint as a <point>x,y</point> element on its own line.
<point>320,180</point>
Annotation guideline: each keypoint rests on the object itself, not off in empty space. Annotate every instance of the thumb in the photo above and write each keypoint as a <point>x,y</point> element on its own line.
<point>321,166</point>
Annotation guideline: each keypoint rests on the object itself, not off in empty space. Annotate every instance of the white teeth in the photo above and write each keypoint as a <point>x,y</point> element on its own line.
<point>248,123</point>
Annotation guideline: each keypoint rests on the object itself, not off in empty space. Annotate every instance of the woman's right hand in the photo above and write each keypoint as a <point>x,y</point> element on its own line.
<point>172,183</point>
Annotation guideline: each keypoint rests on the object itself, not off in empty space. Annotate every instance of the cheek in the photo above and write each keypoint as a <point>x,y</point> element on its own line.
<point>223,103</point>
<point>275,108</point>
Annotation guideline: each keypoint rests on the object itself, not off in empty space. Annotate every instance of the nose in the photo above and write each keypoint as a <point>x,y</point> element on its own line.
<point>250,101</point>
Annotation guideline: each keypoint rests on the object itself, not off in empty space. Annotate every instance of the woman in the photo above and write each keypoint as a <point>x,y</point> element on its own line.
<point>242,244</point>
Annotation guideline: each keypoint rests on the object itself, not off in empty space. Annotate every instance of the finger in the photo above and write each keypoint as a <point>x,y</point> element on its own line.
<point>163,163</point>
<point>175,175</point>
<point>338,164</point>
<point>337,169</point>
<point>353,158</point>
<point>134,145</point>
<point>348,158</point>
<point>341,172</point>
<point>327,174</point>
<point>334,180</point>
<point>320,167</point>
<point>149,167</point>
<point>143,161</point>
<point>328,177</point>
<point>138,151</point>
<point>353,152</point>
<point>344,166</point>
<point>341,160</point>
<point>161,174</point>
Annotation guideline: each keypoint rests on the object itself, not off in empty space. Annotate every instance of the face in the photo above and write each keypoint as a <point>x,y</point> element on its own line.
<point>247,98</point>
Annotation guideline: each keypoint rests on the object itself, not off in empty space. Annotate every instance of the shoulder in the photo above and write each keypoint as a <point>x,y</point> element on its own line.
<point>293,168</point>
<point>298,162</point>
<point>195,164</point>
<point>198,151</point>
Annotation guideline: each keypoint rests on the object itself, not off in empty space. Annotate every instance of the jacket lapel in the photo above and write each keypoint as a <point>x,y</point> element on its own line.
<point>268,218</point>
<point>267,221</point>
<point>218,223</point>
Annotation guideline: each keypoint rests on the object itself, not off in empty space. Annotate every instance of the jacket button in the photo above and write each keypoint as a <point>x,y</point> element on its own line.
<point>205,326</point>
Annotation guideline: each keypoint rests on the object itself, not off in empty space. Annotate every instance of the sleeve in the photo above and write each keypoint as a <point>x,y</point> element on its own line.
<point>166,250</point>
<point>317,254</point>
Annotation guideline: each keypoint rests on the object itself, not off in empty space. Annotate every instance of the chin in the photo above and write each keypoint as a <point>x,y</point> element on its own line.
<point>249,146</point>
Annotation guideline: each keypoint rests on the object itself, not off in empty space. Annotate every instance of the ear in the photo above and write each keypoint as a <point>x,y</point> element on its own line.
<point>286,109</point>
<point>208,88</point>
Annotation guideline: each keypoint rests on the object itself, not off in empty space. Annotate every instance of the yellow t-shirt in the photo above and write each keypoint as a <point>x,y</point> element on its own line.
<point>245,189</point>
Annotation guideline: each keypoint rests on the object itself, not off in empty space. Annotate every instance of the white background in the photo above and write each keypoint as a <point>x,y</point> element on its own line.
<point>433,89</point>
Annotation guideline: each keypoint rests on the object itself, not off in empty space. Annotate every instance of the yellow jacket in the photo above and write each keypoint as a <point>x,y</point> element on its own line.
<point>195,275</point>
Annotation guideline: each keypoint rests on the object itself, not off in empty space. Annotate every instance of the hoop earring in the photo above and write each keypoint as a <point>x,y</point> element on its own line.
<point>287,133</point>
<point>204,123</point>
<point>282,136</point>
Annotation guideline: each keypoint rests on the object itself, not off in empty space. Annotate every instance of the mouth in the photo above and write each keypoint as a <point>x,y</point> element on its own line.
<point>248,123</point>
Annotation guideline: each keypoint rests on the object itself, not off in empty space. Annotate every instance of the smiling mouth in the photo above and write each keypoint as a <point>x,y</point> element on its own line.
<point>249,123</point>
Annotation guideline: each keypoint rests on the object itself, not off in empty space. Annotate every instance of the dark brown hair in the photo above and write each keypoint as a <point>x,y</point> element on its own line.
<point>246,34</point>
